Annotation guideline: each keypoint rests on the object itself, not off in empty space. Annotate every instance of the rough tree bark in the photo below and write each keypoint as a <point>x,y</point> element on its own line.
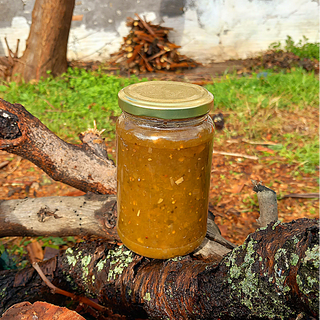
<point>47,42</point>
<point>273,274</point>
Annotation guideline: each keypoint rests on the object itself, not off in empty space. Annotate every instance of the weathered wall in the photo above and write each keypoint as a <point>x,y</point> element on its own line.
<point>206,29</point>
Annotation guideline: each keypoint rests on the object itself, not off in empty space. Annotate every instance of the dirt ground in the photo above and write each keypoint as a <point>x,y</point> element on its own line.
<point>201,75</point>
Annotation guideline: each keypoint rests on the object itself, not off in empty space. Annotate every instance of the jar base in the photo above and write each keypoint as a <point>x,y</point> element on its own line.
<point>160,253</point>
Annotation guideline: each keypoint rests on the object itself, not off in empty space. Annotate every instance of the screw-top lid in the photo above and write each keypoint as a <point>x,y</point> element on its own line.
<point>165,100</point>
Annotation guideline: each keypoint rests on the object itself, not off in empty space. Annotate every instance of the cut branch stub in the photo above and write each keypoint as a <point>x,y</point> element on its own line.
<point>8,126</point>
<point>267,203</point>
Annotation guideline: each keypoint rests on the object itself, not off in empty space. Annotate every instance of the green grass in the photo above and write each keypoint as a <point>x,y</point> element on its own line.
<point>303,48</point>
<point>69,104</point>
<point>283,104</point>
<point>287,90</point>
<point>255,105</point>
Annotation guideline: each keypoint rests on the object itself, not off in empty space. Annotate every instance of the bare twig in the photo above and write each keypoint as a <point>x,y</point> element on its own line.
<point>239,155</point>
<point>263,143</point>
<point>4,164</point>
<point>17,49</point>
<point>302,195</point>
<point>10,53</point>
<point>54,290</point>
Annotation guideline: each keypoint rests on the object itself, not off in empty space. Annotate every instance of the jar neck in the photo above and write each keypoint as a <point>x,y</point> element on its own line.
<point>166,123</point>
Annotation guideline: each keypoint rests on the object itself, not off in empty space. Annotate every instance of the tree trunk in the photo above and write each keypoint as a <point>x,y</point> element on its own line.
<point>273,274</point>
<point>46,48</point>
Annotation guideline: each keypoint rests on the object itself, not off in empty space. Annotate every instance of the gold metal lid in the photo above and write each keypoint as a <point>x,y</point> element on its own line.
<point>165,100</point>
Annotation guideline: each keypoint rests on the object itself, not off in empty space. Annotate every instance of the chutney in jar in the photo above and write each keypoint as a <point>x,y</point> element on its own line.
<point>164,154</point>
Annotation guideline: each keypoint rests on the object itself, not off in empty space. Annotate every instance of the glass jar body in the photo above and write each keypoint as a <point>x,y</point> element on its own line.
<point>163,174</point>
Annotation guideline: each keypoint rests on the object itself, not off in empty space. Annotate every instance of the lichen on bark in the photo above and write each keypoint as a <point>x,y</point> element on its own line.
<point>262,279</point>
<point>308,276</point>
<point>247,284</point>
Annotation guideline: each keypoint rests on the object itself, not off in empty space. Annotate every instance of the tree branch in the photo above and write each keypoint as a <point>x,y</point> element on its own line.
<point>83,166</point>
<point>86,215</point>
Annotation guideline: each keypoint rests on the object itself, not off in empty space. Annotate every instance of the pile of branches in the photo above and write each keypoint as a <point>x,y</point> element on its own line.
<point>279,59</point>
<point>147,49</point>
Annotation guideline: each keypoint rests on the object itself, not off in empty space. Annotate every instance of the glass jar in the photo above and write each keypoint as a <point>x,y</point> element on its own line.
<point>164,154</point>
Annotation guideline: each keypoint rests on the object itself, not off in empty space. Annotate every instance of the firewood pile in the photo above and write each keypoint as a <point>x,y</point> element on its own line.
<point>147,49</point>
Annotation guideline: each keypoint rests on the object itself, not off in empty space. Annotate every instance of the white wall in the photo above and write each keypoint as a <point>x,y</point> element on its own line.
<point>207,30</point>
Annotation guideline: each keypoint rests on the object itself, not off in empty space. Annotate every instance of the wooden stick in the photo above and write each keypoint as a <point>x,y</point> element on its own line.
<point>149,68</point>
<point>240,155</point>
<point>146,25</point>
<point>160,53</point>
<point>10,53</point>
<point>60,216</point>
<point>4,164</point>
<point>264,143</point>
<point>301,195</point>
<point>79,165</point>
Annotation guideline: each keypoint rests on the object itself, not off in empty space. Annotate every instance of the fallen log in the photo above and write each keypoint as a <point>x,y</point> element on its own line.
<point>274,274</point>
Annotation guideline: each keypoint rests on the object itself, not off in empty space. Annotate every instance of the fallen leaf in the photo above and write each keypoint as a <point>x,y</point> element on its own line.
<point>223,230</point>
<point>268,136</point>
<point>236,188</point>
<point>39,310</point>
<point>264,149</point>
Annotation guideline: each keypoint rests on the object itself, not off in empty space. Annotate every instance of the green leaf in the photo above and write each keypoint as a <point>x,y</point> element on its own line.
<point>6,262</point>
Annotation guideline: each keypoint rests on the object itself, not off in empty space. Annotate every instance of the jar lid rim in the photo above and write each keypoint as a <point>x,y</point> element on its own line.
<point>165,99</point>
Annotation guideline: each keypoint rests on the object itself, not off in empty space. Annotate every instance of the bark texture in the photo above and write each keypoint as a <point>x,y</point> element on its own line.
<point>80,166</point>
<point>274,274</point>
<point>86,215</point>
<point>47,42</point>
